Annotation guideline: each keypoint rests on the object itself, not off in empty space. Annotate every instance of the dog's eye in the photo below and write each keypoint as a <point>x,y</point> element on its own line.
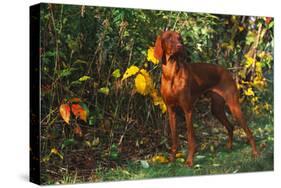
<point>169,40</point>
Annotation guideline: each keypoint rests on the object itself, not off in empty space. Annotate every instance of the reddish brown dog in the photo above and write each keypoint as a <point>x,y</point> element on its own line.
<point>182,83</point>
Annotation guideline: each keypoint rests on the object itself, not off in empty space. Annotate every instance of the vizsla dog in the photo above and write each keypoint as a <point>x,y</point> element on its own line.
<point>181,85</point>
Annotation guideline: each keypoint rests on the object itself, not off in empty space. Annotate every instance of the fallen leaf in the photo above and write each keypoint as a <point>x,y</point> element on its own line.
<point>159,159</point>
<point>179,155</point>
<point>144,164</point>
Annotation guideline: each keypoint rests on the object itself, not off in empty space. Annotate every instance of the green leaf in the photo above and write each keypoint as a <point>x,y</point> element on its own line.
<point>251,37</point>
<point>200,156</point>
<point>144,164</point>
<point>67,142</point>
<point>85,107</point>
<point>180,160</point>
<point>84,78</point>
<point>76,82</point>
<point>271,24</point>
<point>116,73</point>
<point>92,120</point>
<point>114,152</point>
<point>104,90</point>
<point>197,166</point>
<point>72,44</point>
<point>79,61</point>
<point>66,72</point>
<point>113,147</point>
<point>50,54</point>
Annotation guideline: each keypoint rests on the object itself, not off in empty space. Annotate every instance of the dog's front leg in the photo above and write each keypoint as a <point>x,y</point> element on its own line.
<point>190,138</point>
<point>173,127</point>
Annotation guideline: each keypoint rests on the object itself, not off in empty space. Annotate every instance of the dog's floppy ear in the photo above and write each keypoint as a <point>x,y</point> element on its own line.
<point>158,50</point>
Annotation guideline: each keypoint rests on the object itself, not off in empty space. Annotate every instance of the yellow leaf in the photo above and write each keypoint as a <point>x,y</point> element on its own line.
<point>132,70</point>
<point>239,86</point>
<point>163,107</point>
<point>224,44</point>
<point>140,84</point>
<point>259,82</point>
<point>254,100</point>
<point>245,82</point>
<point>241,28</point>
<point>150,56</point>
<point>231,45</point>
<point>259,68</point>
<point>267,106</point>
<point>158,100</point>
<point>261,54</point>
<point>242,73</point>
<point>249,92</point>
<point>249,61</point>
<point>148,79</point>
<point>56,152</point>
<point>179,155</point>
<point>257,109</point>
<point>143,82</point>
<point>159,159</point>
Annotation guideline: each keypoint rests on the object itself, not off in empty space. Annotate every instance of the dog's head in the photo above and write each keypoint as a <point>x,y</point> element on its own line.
<point>169,43</point>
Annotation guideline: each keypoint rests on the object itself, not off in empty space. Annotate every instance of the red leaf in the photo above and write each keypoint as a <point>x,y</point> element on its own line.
<point>79,112</point>
<point>65,112</point>
<point>77,130</point>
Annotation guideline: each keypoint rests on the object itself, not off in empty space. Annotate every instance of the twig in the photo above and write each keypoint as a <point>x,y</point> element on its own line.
<point>56,51</point>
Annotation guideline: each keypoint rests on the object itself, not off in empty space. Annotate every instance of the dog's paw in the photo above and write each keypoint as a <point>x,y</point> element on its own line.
<point>229,145</point>
<point>172,157</point>
<point>189,163</point>
<point>256,154</point>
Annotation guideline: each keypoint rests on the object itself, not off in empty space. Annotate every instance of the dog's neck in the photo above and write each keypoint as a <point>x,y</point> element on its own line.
<point>170,66</point>
<point>175,58</point>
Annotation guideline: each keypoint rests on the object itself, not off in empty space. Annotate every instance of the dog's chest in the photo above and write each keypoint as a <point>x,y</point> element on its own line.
<point>173,84</point>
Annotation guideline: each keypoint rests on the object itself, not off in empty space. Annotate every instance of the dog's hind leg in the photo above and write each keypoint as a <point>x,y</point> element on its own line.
<point>218,110</point>
<point>234,106</point>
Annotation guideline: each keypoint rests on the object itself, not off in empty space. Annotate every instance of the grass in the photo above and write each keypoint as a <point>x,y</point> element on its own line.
<point>238,160</point>
<point>222,162</point>
<point>208,161</point>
